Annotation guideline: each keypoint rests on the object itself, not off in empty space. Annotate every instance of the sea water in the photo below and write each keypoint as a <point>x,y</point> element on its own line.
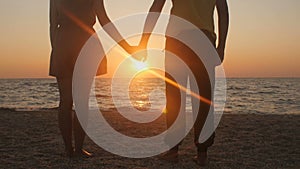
<point>244,95</point>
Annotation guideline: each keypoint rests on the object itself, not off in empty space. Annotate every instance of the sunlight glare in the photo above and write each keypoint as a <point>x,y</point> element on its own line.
<point>138,65</point>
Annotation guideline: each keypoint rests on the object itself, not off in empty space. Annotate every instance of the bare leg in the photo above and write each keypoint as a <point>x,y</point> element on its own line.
<point>205,87</point>
<point>173,95</point>
<point>79,134</point>
<point>65,112</point>
<point>203,82</point>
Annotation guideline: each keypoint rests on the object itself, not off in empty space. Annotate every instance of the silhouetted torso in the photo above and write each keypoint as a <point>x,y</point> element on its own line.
<point>198,12</point>
<point>83,10</point>
<point>75,19</point>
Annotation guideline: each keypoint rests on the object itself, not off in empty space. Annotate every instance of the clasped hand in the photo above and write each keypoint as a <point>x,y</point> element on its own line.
<point>138,52</point>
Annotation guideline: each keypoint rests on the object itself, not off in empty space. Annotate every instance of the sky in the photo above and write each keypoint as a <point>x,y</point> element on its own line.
<point>262,41</point>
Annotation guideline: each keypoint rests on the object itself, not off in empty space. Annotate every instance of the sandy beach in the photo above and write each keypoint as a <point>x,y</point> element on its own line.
<point>32,140</point>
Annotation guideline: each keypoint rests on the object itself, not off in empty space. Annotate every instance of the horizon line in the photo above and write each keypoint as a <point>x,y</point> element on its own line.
<point>233,77</point>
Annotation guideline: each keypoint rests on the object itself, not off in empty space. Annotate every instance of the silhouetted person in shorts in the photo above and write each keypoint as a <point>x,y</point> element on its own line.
<point>201,14</point>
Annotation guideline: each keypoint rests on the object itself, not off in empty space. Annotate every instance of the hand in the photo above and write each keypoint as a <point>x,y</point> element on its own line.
<point>141,50</point>
<point>138,53</point>
<point>220,51</point>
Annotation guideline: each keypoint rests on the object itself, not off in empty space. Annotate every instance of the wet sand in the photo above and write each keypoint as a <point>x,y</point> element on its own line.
<point>32,140</point>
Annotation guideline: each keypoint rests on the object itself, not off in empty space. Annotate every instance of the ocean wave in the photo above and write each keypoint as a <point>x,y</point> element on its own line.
<point>255,96</point>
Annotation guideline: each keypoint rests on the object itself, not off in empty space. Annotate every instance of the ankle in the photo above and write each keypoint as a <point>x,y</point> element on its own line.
<point>201,150</point>
<point>202,154</point>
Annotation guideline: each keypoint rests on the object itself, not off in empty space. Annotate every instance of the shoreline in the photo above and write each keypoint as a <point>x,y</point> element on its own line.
<point>54,109</point>
<point>31,139</point>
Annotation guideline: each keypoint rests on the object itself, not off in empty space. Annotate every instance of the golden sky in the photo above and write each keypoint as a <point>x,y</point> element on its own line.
<point>262,42</point>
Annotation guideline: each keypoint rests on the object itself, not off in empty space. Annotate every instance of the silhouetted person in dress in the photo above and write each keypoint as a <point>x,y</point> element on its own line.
<point>71,25</point>
<point>200,13</point>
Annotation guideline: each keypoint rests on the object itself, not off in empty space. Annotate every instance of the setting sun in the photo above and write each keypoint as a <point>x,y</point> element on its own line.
<point>138,65</point>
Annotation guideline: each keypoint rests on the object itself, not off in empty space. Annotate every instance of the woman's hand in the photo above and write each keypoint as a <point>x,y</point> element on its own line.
<point>137,52</point>
<point>140,51</point>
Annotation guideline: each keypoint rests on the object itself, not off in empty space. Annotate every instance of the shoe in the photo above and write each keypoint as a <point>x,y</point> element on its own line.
<point>82,153</point>
<point>171,156</point>
<point>201,158</point>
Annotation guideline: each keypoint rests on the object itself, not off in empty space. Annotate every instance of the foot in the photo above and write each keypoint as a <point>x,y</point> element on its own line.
<point>170,156</point>
<point>201,158</point>
<point>82,153</point>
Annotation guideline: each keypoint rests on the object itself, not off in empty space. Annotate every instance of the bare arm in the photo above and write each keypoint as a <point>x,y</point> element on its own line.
<point>53,21</point>
<point>111,29</point>
<point>223,17</point>
<point>151,20</point>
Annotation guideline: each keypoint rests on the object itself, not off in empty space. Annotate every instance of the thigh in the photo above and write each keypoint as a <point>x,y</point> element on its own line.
<point>176,60</point>
<point>176,80</point>
<point>176,73</point>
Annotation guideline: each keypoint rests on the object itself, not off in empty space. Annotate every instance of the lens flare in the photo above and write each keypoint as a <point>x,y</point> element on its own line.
<point>138,65</point>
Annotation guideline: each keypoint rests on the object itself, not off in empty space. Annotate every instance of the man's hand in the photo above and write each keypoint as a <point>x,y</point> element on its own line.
<point>137,53</point>
<point>141,51</point>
